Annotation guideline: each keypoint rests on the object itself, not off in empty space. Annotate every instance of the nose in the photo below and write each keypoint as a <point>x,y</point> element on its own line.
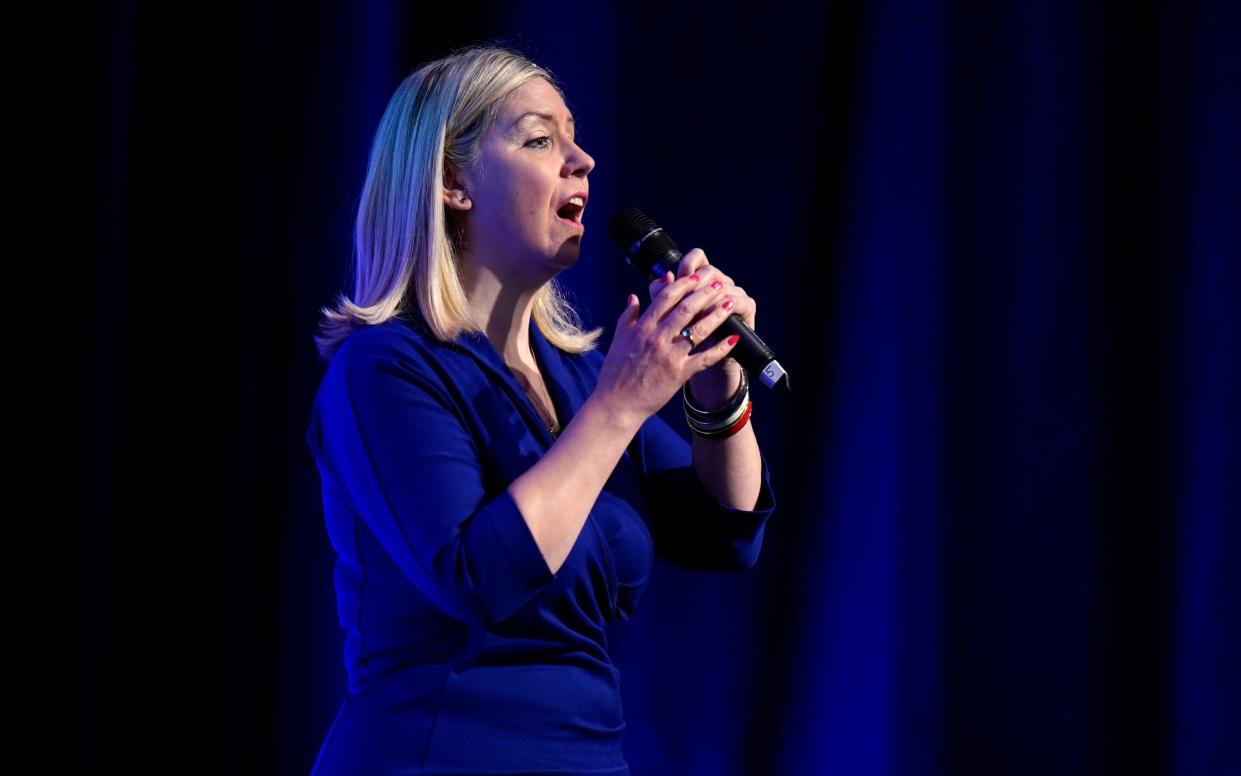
<point>578,163</point>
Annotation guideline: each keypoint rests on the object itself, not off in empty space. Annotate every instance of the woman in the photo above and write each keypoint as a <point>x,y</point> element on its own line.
<point>488,477</point>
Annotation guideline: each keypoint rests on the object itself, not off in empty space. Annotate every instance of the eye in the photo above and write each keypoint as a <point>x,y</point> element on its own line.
<point>539,142</point>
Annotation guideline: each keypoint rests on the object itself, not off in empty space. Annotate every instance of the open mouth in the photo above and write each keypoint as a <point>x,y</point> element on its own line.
<point>571,211</point>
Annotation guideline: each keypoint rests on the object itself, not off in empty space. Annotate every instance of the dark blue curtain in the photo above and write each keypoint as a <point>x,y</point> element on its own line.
<point>997,245</point>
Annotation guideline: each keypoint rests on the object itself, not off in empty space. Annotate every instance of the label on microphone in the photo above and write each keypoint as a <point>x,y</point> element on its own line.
<point>771,374</point>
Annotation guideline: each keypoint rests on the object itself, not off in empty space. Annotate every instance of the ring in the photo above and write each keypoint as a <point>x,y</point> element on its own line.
<point>687,334</point>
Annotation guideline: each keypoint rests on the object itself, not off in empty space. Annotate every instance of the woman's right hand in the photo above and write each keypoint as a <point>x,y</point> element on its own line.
<point>649,360</point>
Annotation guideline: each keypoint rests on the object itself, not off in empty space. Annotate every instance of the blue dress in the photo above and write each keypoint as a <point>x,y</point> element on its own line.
<point>464,653</point>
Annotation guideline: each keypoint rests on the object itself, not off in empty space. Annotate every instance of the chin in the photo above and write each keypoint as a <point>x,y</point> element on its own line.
<point>568,254</point>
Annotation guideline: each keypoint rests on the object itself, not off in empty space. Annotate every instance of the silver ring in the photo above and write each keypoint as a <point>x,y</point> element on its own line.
<point>687,334</point>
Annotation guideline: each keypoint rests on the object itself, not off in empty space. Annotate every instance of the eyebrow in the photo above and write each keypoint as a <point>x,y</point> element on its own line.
<point>545,117</point>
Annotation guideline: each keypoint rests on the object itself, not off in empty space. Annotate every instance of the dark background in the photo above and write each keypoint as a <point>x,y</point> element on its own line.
<point>997,246</point>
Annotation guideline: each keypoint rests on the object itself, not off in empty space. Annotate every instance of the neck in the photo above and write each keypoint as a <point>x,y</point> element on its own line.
<point>503,311</point>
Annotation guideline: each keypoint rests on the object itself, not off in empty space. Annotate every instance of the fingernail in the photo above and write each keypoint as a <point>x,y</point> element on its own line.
<point>728,304</point>
<point>733,339</point>
<point>695,278</point>
<point>717,284</point>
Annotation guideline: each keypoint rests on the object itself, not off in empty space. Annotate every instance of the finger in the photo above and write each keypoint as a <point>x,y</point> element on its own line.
<point>658,284</point>
<point>671,295</point>
<point>691,262</point>
<point>713,355</point>
<point>746,308</point>
<point>709,274</point>
<point>703,328</point>
<point>631,312</point>
<point>744,305</point>
<point>689,306</point>
<point>706,273</point>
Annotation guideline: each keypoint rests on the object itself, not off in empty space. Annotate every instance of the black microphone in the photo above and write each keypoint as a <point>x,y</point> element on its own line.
<point>650,250</point>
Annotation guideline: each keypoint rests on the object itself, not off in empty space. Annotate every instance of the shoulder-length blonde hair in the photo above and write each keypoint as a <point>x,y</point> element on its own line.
<point>404,252</point>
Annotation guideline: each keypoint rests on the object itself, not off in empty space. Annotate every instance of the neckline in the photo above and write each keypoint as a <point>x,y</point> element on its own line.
<point>529,389</point>
<point>555,371</point>
<point>544,352</point>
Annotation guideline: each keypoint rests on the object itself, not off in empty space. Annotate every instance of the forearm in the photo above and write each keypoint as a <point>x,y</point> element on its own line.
<point>557,493</point>
<point>730,469</point>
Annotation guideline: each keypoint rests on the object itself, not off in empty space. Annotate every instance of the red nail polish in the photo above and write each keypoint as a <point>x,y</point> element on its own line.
<point>717,284</point>
<point>733,339</point>
<point>695,278</point>
<point>728,304</point>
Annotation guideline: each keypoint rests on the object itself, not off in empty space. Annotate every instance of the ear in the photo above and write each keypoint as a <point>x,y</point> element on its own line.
<point>456,194</point>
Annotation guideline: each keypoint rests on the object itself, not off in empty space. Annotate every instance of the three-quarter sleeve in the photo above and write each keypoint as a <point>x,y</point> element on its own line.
<point>388,433</point>
<point>690,527</point>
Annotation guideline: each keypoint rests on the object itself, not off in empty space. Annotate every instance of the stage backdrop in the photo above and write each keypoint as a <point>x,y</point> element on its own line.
<point>997,246</point>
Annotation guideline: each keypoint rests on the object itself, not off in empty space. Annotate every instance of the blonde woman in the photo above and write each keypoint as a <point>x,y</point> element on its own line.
<point>495,488</point>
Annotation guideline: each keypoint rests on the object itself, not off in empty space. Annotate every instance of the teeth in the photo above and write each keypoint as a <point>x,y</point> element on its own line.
<point>576,201</point>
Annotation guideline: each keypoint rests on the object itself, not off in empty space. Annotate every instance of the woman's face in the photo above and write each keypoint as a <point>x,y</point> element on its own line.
<point>521,216</point>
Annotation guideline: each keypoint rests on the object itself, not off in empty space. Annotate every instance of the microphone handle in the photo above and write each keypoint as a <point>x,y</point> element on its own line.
<point>751,352</point>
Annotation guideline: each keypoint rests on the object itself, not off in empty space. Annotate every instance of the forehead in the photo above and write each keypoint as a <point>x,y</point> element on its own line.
<point>534,102</point>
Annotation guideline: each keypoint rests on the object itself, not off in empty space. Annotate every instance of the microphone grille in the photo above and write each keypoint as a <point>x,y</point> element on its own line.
<point>630,225</point>
<point>639,237</point>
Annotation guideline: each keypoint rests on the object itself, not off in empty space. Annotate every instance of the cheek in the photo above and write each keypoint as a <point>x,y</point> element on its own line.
<point>513,206</point>
<point>523,213</point>
<point>529,190</point>
<point>521,199</point>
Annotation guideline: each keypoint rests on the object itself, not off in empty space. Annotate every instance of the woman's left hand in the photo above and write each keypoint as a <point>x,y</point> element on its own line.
<point>715,386</point>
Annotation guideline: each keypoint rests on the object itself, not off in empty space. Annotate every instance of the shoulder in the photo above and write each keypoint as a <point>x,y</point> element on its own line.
<point>398,339</point>
<point>397,348</point>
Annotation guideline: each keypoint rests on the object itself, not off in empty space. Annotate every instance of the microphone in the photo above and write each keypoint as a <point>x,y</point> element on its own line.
<point>650,250</point>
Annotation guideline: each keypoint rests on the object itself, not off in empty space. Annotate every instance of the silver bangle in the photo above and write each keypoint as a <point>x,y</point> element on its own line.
<point>706,422</point>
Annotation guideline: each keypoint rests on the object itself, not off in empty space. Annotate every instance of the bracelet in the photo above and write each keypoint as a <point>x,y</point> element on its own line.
<point>730,430</point>
<point>717,423</point>
<point>723,422</point>
<point>738,399</point>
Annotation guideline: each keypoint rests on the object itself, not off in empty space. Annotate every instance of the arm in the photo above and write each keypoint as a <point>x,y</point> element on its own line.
<point>730,469</point>
<point>692,528</point>
<point>387,433</point>
<point>557,493</point>
<point>710,516</point>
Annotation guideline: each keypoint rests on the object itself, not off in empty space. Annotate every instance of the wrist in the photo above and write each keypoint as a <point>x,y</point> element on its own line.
<point>612,416</point>
<point>718,422</point>
<point>714,387</point>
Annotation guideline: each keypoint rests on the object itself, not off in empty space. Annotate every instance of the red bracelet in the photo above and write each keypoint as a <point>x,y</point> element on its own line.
<point>734,428</point>
<point>740,424</point>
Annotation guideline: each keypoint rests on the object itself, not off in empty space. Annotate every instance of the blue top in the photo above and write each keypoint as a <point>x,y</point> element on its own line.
<point>465,654</point>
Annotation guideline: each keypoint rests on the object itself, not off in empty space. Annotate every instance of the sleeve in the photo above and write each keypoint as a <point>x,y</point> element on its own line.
<point>411,470</point>
<point>690,527</point>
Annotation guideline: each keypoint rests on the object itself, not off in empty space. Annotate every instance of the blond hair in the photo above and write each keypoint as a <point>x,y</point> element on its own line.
<point>404,252</point>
